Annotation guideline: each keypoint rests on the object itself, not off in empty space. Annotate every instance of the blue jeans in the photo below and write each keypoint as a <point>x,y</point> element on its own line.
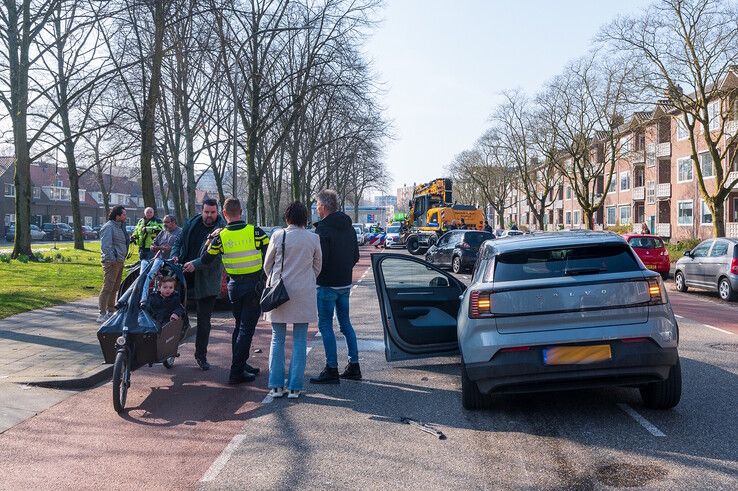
<point>297,362</point>
<point>328,300</point>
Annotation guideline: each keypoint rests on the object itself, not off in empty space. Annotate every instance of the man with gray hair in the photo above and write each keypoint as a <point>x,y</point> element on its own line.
<point>167,238</point>
<point>340,254</point>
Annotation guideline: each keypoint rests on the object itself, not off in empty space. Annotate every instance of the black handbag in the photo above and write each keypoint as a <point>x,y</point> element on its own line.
<point>275,295</point>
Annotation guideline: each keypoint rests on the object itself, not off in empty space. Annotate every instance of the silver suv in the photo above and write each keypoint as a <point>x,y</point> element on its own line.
<point>543,312</point>
<point>712,265</point>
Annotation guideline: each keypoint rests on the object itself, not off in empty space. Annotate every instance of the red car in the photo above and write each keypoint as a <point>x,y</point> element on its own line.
<point>651,250</point>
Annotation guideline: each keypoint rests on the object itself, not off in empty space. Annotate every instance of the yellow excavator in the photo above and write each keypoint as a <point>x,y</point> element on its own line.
<point>433,212</point>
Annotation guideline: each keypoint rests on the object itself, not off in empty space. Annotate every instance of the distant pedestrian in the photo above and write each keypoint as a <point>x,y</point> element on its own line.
<point>487,227</point>
<point>514,226</point>
<point>113,252</point>
<point>302,263</point>
<point>145,232</point>
<point>164,242</point>
<point>645,229</point>
<point>340,254</point>
<point>203,280</point>
<point>243,247</point>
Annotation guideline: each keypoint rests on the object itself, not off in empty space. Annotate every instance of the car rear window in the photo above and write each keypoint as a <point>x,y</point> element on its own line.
<point>475,239</point>
<point>393,230</point>
<point>563,261</point>
<point>646,242</point>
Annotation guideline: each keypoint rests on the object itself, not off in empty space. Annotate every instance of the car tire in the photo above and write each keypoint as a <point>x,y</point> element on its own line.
<point>664,276</point>
<point>666,393</point>
<point>471,398</point>
<point>456,264</point>
<point>680,282</point>
<point>413,246</point>
<point>725,289</point>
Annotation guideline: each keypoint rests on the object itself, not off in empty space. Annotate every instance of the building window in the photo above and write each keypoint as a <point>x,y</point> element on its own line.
<point>684,212</point>
<point>611,215</point>
<point>36,193</point>
<point>651,192</point>
<point>88,221</point>
<point>681,130</point>
<point>611,187</point>
<point>55,218</point>
<point>713,112</point>
<point>577,220</point>
<point>568,218</point>
<point>708,170</point>
<point>9,190</point>
<point>684,170</point>
<point>705,215</point>
<point>624,181</point>
<point>568,192</point>
<point>59,183</point>
<point>625,144</point>
<point>9,219</point>
<point>625,215</point>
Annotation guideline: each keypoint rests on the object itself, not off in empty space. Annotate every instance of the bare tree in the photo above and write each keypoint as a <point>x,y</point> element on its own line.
<point>689,52</point>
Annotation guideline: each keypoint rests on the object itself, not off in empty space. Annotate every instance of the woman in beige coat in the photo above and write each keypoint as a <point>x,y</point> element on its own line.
<point>302,263</point>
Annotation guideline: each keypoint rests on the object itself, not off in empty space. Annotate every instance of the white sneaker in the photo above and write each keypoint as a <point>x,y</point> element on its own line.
<point>293,394</point>
<point>102,318</point>
<point>277,392</point>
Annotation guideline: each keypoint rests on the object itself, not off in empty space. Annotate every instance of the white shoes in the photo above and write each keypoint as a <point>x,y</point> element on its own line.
<point>277,392</point>
<point>103,317</point>
<point>293,394</point>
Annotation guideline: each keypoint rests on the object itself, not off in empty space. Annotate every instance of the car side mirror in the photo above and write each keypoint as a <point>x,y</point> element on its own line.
<point>687,253</point>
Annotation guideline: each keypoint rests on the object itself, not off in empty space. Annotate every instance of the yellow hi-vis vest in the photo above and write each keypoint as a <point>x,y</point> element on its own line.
<point>240,255</point>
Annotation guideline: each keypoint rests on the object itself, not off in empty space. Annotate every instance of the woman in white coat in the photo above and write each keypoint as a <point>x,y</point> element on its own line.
<point>302,263</point>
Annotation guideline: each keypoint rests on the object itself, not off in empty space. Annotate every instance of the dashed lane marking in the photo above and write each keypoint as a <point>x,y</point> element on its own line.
<point>717,329</point>
<point>679,316</point>
<point>223,458</point>
<point>650,427</point>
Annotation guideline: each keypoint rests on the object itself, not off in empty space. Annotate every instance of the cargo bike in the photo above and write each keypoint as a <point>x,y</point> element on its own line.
<point>131,338</point>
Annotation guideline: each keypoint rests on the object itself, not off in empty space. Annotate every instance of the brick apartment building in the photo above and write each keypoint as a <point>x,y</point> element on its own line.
<point>51,201</point>
<point>654,182</point>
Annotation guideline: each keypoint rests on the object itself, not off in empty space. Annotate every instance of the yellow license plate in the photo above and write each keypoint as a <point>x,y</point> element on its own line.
<point>576,355</point>
<point>651,266</point>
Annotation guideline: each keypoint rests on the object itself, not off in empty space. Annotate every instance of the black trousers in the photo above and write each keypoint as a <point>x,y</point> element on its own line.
<point>205,308</point>
<point>244,296</point>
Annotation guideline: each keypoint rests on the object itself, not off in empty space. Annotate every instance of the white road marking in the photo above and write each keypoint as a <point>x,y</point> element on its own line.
<point>650,427</point>
<point>717,329</point>
<point>223,458</point>
<point>678,316</point>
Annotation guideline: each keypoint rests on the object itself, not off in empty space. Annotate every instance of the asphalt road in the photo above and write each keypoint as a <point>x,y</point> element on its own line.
<point>186,429</point>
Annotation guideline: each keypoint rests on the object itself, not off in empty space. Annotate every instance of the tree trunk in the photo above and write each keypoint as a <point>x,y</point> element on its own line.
<point>717,208</point>
<point>588,216</point>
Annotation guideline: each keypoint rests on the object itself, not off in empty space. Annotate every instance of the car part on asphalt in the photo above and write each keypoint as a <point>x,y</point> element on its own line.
<point>428,428</point>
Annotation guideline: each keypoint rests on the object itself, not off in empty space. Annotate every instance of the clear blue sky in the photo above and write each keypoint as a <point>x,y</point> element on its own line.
<point>445,63</point>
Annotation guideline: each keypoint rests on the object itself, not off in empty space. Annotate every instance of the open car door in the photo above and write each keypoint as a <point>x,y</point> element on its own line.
<point>419,304</point>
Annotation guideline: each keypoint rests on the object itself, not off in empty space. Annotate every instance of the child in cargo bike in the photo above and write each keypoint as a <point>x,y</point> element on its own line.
<point>166,305</point>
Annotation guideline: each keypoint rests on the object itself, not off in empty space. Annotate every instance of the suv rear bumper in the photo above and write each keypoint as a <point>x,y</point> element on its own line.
<point>524,371</point>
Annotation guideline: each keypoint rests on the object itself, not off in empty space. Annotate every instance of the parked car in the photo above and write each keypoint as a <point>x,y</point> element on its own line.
<point>651,251</point>
<point>457,249</point>
<point>130,229</point>
<point>392,237</point>
<point>359,228</point>
<point>712,265</point>
<point>36,233</point>
<point>550,311</point>
<point>88,233</point>
<point>510,233</point>
<point>57,231</point>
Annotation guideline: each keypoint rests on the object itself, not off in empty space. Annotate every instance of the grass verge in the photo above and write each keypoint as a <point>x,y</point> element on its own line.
<point>66,275</point>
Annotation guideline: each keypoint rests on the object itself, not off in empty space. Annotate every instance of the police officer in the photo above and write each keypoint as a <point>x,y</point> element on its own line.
<point>243,247</point>
<point>145,232</point>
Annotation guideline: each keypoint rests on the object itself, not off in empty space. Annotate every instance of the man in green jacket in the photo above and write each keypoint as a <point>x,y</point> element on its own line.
<point>145,232</point>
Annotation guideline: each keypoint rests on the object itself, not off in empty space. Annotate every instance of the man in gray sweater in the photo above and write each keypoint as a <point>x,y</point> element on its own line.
<point>113,251</point>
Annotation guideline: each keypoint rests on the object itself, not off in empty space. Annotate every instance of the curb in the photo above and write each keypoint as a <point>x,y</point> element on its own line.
<point>94,378</point>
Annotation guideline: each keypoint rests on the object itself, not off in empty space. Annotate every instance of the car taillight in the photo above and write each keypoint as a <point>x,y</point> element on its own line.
<point>656,291</point>
<point>664,252</point>
<point>480,305</point>
<point>464,245</point>
<point>734,266</point>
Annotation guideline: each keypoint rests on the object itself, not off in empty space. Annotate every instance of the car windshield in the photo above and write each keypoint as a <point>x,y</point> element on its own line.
<point>560,262</point>
<point>393,230</point>
<point>475,239</point>
<point>646,242</point>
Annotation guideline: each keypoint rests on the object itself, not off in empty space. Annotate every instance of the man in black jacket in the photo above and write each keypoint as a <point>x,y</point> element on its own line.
<point>340,254</point>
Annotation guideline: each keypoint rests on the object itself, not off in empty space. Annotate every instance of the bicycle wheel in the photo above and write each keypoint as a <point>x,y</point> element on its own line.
<point>121,380</point>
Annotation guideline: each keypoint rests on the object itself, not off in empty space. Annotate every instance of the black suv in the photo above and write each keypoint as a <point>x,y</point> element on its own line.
<point>457,249</point>
<point>58,231</point>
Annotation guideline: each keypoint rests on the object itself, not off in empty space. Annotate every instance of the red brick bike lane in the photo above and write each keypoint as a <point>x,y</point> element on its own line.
<point>176,423</point>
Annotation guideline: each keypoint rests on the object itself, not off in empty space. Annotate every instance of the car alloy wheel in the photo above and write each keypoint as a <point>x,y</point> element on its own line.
<point>725,289</point>
<point>456,264</point>
<point>681,285</point>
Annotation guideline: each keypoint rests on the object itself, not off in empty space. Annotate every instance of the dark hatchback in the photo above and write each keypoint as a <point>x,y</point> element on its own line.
<point>57,231</point>
<point>457,249</point>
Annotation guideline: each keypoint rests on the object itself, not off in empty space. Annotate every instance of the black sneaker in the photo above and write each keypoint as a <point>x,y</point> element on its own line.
<point>327,376</point>
<point>252,370</point>
<point>352,372</point>
<point>203,363</point>
<point>241,378</point>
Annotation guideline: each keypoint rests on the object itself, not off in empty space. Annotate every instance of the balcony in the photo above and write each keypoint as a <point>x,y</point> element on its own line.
<point>731,177</point>
<point>663,190</point>
<point>731,128</point>
<point>663,229</point>
<point>731,229</point>
<point>639,193</point>
<point>559,204</point>
<point>637,157</point>
<point>663,150</point>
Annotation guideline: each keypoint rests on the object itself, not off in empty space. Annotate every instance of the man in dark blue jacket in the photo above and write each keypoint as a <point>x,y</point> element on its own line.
<point>340,254</point>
